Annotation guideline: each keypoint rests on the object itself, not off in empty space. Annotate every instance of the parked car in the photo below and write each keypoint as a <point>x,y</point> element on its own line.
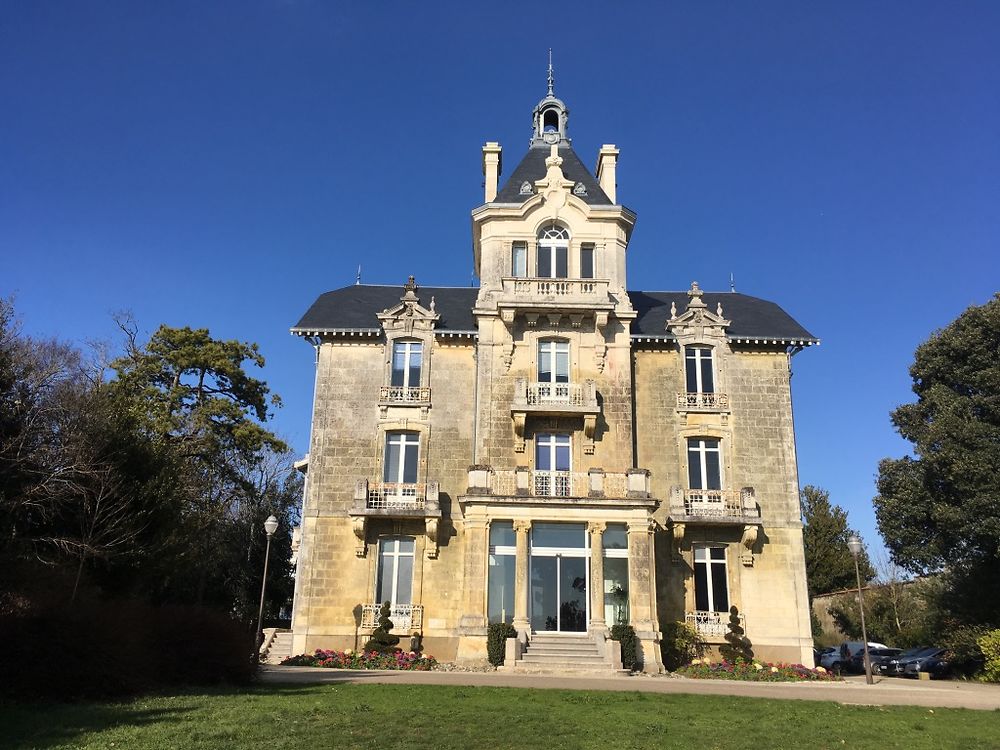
<point>896,666</point>
<point>819,653</point>
<point>880,657</point>
<point>837,661</point>
<point>936,662</point>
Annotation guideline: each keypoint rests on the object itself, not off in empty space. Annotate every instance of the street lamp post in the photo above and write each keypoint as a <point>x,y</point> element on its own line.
<point>854,544</point>
<point>270,526</point>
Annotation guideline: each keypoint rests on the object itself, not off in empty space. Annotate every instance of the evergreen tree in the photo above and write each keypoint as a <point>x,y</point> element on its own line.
<point>829,562</point>
<point>737,646</point>
<point>382,640</point>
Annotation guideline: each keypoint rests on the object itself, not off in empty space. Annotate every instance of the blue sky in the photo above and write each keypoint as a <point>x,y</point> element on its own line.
<point>221,164</point>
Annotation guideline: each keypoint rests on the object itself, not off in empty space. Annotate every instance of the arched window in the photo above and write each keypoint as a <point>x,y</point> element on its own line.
<point>553,253</point>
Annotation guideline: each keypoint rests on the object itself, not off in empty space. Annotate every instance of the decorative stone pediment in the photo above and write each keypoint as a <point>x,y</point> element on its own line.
<point>697,324</point>
<point>554,187</point>
<point>409,316</point>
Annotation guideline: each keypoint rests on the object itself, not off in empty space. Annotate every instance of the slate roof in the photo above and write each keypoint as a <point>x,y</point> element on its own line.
<point>532,167</point>
<point>354,308</point>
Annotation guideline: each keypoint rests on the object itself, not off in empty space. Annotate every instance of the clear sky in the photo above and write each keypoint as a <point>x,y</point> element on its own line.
<point>220,164</point>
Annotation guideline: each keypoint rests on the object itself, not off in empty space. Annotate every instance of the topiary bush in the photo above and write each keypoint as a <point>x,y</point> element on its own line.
<point>496,641</point>
<point>989,644</point>
<point>680,645</point>
<point>625,635</point>
<point>737,646</point>
<point>382,640</point>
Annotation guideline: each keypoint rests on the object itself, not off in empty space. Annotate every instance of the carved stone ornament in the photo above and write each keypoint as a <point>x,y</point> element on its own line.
<point>554,187</point>
<point>697,323</point>
<point>679,530</point>
<point>359,527</point>
<point>432,527</point>
<point>409,315</point>
<point>748,541</point>
<point>580,189</point>
<point>526,188</point>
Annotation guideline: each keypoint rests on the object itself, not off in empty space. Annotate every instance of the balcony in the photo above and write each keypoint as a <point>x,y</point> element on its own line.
<point>523,482</point>
<point>714,506</point>
<point>703,402</point>
<point>392,495</point>
<point>405,617</point>
<point>398,395</point>
<point>540,289</point>
<point>554,400</point>
<point>711,625</point>
<point>395,500</point>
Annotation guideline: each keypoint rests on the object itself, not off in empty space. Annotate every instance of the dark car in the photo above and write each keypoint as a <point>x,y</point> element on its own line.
<point>896,666</point>
<point>880,658</point>
<point>936,662</point>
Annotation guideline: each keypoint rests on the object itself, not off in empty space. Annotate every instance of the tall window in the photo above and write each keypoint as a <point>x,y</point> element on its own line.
<point>711,585</point>
<point>519,259</point>
<point>587,261</point>
<point>406,360</point>
<point>553,361</point>
<point>553,253</point>
<point>395,570</point>
<point>552,464</point>
<point>401,452</point>
<point>503,552</point>
<point>704,464</point>
<point>699,369</point>
<point>615,540</point>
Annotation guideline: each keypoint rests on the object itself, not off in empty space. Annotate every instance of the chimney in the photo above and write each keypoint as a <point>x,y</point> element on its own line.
<point>607,158</point>
<point>492,164</point>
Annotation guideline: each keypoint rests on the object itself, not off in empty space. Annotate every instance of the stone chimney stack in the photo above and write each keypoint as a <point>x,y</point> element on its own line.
<point>492,164</point>
<point>607,159</point>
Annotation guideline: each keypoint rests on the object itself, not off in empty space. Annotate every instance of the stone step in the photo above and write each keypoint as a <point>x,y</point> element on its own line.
<point>562,669</point>
<point>543,659</point>
<point>550,646</point>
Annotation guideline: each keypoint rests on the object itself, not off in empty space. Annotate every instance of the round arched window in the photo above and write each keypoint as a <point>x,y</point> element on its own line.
<point>553,253</point>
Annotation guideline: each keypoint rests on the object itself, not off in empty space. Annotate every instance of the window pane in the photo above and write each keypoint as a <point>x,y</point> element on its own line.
<point>391,470</point>
<point>406,546</point>
<point>562,363</point>
<point>562,458</point>
<point>383,589</point>
<point>714,478</point>
<point>562,268</point>
<point>502,534</point>
<point>700,587</point>
<point>587,262</point>
<point>720,589</point>
<point>410,466</point>
<point>615,590</point>
<point>416,352</point>
<point>404,579</point>
<point>519,260</point>
<point>500,587</point>
<point>718,553</point>
<point>559,535</point>
<point>543,455</point>
<point>615,536</point>
<point>694,467</point>
<point>707,378</point>
<point>545,363</point>
<point>398,363</point>
<point>691,371</point>
<point>544,261</point>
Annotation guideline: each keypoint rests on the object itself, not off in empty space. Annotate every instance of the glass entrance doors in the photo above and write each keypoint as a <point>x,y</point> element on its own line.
<point>560,570</point>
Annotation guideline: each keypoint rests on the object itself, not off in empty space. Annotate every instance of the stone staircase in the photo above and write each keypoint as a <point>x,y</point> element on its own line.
<point>564,654</point>
<point>280,648</point>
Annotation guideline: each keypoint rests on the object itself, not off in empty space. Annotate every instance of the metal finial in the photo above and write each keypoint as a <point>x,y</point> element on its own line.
<point>552,78</point>
<point>357,280</point>
<point>732,283</point>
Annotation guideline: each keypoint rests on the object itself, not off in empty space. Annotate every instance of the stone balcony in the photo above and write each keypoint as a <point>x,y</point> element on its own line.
<point>703,402</point>
<point>536,289</point>
<point>395,501</point>
<point>405,617</point>
<point>711,626</point>
<point>714,506</point>
<point>522,482</point>
<point>398,395</point>
<point>554,400</point>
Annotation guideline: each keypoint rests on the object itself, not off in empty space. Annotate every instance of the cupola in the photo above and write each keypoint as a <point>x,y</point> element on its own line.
<point>550,116</point>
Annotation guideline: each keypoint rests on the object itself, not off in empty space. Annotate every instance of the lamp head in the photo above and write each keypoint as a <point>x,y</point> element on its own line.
<point>271,525</point>
<point>854,544</point>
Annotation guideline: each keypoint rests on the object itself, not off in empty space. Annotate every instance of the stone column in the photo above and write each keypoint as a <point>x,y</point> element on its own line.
<point>521,622</point>
<point>472,624</point>
<point>597,624</point>
<point>642,594</point>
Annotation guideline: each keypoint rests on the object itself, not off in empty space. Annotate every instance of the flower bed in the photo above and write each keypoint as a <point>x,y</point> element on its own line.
<point>360,660</point>
<point>752,671</point>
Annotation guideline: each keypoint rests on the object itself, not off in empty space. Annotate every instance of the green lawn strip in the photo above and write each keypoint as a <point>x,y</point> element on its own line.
<point>418,716</point>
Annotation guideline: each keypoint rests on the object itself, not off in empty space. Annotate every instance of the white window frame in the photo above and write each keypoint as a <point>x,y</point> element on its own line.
<point>550,240</point>
<point>553,348</point>
<point>519,260</point>
<point>404,440</point>
<point>394,554</point>
<point>703,556</point>
<point>696,356</point>
<point>702,450</point>
<point>408,348</point>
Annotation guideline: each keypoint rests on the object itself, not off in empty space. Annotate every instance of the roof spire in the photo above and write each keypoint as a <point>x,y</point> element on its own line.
<point>552,79</point>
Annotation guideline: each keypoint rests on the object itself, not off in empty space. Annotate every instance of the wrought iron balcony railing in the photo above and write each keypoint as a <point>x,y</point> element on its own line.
<point>404,616</point>
<point>396,495</point>
<point>703,402</point>
<point>710,624</point>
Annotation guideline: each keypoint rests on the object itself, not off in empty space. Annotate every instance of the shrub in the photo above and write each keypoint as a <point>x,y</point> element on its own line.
<point>752,671</point>
<point>349,659</point>
<point>382,640</point>
<point>496,641</point>
<point>965,656</point>
<point>625,635</point>
<point>989,644</point>
<point>737,647</point>
<point>679,645</point>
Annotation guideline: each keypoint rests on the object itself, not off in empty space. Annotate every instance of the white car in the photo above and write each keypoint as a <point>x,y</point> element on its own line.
<point>836,660</point>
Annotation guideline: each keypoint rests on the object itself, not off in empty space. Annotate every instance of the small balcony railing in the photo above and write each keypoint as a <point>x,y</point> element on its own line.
<point>398,394</point>
<point>710,624</point>
<point>484,480</point>
<point>555,393</point>
<point>552,483</point>
<point>544,287</point>
<point>404,617</point>
<point>555,398</point>
<point>396,495</point>
<point>703,402</point>
<point>713,504</point>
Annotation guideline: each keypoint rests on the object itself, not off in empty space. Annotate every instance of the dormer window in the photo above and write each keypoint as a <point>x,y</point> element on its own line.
<point>553,253</point>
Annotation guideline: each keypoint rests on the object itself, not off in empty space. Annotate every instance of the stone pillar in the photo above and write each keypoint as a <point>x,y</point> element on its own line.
<point>596,530</point>
<point>472,624</point>
<point>642,594</point>
<point>521,622</point>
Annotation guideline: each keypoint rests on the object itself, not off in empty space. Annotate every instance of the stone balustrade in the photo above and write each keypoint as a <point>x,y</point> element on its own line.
<point>405,617</point>
<point>712,625</point>
<point>398,394</point>
<point>691,504</point>
<point>535,288</point>
<point>522,481</point>
<point>703,402</point>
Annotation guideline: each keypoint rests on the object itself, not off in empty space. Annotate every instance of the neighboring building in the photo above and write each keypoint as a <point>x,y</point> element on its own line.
<point>549,449</point>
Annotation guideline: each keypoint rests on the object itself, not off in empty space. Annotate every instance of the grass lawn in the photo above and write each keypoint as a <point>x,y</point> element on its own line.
<point>418,716</point>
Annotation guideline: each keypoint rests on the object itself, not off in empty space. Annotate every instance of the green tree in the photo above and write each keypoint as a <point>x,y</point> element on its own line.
<point>829,563</point>
<point>939,509</point>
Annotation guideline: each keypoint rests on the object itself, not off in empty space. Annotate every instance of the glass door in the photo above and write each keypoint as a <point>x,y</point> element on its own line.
<point>560,568</point>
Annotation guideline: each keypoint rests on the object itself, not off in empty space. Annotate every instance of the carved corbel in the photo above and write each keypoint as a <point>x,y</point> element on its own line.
<point>679,529</point>
<point>431,526</point>
<point>359,526</point>
<point>576,320</point>
<point>748,541</point>
<point>531,318</point>
<point>554,319</point>
<point>600,345</point>
<point>589,429</point>
<point>518,417</point>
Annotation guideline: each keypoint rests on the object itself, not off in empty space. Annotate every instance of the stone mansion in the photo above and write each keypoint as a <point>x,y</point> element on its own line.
<point>551,449</point>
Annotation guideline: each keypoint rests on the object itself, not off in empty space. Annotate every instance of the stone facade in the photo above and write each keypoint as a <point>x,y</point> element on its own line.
<point>548,453</point>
